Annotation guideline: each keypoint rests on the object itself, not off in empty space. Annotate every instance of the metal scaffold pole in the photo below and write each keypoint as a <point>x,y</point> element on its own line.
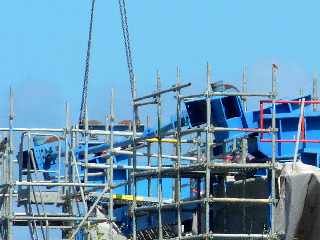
<point>208,148</point>
<point>273,160</point>
<point>201,177</point>
<point>68,178</point>
<point>245,87</point>
<point>159,182</point>
<point>315,90</point>
<point>134,161</point>
<point>10,167</point>
<point>110,160</point>
<point>178,153</point>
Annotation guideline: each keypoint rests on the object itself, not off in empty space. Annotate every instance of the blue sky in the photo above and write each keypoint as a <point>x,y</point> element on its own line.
<point>43,44</point>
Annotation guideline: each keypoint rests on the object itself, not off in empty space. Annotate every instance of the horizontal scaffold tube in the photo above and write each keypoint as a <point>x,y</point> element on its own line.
<point>211,199</point>
<point>62,130</point>
<point>58,184</point>
<point>224,236</point>
<point>171,89</point>
<point>56,218</point>
<point>124,152</point>
<point>241,94</point>
<point>199,168</point>
<point>225,129</point>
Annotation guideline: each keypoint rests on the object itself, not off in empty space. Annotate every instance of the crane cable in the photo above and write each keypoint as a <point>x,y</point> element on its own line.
<point>126,40</point>
<point>83,109</point>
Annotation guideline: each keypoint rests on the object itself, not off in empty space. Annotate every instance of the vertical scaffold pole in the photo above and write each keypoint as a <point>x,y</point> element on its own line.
<point>66,145</point>
<point>10,165</point>
<point>315,90</point>
<point>178,153</point>
<point>134,160</point>
<point>245,87</point>
<point>86,144</point>
<point>3,227</point>
<point>67,208</point>
<point>149,178</point>
<point>86,148</point>
<point>198,214</point>
<point>28,207</point>
<point>208,147</point>
<point>273,177</point>
<point>110,175</point>
<point>159,182</point>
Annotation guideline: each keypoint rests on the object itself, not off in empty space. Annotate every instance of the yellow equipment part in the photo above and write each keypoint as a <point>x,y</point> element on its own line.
<point>129,198</point>
<point>167,140</point>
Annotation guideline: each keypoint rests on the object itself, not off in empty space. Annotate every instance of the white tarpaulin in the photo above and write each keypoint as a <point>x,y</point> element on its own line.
<point>298,210</point>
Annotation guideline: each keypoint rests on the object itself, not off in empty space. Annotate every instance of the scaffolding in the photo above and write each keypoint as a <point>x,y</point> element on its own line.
<point>70,190</point>
<point>203,168</point>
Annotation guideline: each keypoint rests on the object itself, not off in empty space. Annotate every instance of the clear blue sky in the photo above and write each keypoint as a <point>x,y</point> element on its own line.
<point>43,44</point>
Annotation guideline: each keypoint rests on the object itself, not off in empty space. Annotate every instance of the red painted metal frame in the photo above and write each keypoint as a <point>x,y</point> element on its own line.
<point>302,140</point>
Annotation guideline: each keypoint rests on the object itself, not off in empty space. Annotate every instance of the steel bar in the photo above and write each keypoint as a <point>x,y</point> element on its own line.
<point>133,184</point>
<point>225,129</point>
<point>159,177</point>
<point>3,190</point>
<point>245,87</point>
<point>62,130</point>
<point>57,218</point>
<point>57,184</point>
<point>38,212</point>
<point>291,140</point>
<point>224,236</point>
<point>169,140</point>
<point>208,151</point>
<point>84,219</point>
<point>10,165</point>
<point>107,166</point>
<point>46,234</point>
<point>110,161</point>
<point>243,94</point>
<point>167,206</point>
<point>298,137</point>
<point>86,144</point>
<point>274,148</point>
<point>157,93</point>
<point>315,96</point>
<point>149,166</point>
<point>226,200</point>
<point>290,101</point>
<point>192,130</point>
<point>145,103</point>
<point>76,172</point>
<point>178,153</point>
<point>199,168</point>
<point>67,171</point>
<point>240,94</point>
<point>240,165</point>
<point>50,227</point>
<point>27,205</point>
<point>124,152</point>
<point>240,200</point>
<point>67,208</point>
